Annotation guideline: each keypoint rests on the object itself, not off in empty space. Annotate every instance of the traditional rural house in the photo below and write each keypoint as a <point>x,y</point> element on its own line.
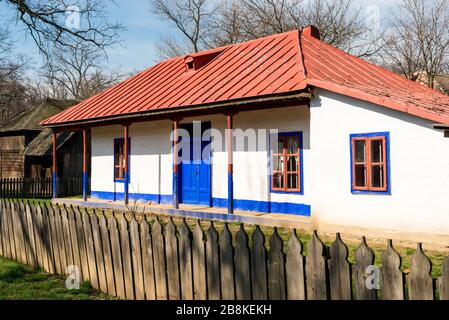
<point>26,146</point>
<point>355,145</point>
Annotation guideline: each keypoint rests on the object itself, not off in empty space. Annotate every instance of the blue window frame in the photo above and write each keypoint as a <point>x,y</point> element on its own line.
<point>286,163</point>
<point>119,160</point>
<point>370,163</point>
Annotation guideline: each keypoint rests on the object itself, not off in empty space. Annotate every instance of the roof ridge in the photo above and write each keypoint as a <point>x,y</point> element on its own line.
<point>384,70</point>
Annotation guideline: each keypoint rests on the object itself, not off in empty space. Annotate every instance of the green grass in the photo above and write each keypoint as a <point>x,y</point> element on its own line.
<point>20,282</point>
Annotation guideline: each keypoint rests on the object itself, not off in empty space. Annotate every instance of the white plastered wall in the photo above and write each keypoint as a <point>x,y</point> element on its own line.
<point>151,159</point>
<point>419,168</point>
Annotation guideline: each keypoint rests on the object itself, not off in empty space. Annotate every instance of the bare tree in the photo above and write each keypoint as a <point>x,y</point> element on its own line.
<point>77,72</point>
<point>191,18</point>
<point>15,96</point>
<point>55,21</point>
<point>232,21</point>
<point>227,25</point>
<point>418,41</point>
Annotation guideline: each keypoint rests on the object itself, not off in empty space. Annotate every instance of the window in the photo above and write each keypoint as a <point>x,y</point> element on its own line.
<point>286,163</point>
<point>369,163</point>
<point>119,159</point>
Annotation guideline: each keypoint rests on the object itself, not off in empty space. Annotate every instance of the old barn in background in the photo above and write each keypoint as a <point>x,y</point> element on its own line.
<point>26,146</point>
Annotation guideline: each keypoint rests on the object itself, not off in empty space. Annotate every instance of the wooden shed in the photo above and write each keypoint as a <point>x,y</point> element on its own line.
<point>26,146</point>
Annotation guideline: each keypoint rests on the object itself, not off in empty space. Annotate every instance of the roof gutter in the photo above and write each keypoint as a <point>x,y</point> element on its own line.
<point>247,104</point>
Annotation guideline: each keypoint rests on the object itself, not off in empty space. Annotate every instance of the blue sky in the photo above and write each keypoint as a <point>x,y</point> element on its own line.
<point>143,30</point>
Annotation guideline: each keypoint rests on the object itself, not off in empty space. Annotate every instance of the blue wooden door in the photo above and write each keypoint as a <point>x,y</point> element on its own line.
<point>195,169</point>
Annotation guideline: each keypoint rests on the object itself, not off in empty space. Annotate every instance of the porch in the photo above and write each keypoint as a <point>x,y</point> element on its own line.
<point>196,211</point>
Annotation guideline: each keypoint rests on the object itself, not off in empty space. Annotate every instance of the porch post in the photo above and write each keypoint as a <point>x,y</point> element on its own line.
<point>55,166</point>
<point>175,164</point>
<point>230,164</point>
<point>126,169</point>
<point>85,164</point>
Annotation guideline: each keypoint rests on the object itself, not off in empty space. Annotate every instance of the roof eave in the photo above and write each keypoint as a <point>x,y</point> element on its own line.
<point>299,96</point>
<point>353,93</point>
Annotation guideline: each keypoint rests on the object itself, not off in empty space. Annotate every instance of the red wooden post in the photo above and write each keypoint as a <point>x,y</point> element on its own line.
<point>175,164</point>
<point>126,169</point>
<point>85,175</point>
<point>55,166</point>
<point>230,164</point>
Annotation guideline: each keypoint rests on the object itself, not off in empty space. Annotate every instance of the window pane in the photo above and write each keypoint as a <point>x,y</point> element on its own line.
<point>377,152</point>
<point>280,146</point>
<point>277,163</point>
<point>377,177</point>
<point>278,181</point>
<point>360,175</point>
<point>360,150</point>
<point>292,181</point>
<point>293,164</point>
<point>292,145</point>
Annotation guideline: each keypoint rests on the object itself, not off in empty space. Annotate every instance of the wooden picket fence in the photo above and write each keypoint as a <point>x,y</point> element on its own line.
<point>40,188</point>
<point>153,260</point>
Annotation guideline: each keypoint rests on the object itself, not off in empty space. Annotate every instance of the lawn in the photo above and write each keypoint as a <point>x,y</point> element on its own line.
<point>20,282</point>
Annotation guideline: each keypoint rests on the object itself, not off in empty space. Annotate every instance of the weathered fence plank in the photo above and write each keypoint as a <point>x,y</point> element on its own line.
<point>117,258</point>
<point>391,274</point>
<point>259,274</point>
<point>107,255</point>
<point>49,252</point>
<point>36,212</point>
<point>61,240</point>
<point>227,264</point>
<point>2,241</point>
<point>12,237</point>
<point>420,282</point>
<point>185,261</point>
<point>296,289</point>
<point>212,263</point>
<point>89,241</point>
<point>159,261</point>
<point>136,257</point>
<point>276,268</point>
<point>30,228</point>
<point>99,257</point>
<point>4,229</point>
<point>82,244</point>
<point>67,237</point>
<point>443,281</point>
<point>364,258</point>
<point>147,260</point>
<point>316,272</point>
<point>46,241</point>
<point>242,266</point>
<point>126,258</point>
<point>54,241</point>
<point>74,239</point>
<point>339,271</point>
<point>199,263</point>
<point>172,259</point>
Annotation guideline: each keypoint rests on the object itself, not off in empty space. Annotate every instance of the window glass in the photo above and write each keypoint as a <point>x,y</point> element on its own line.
<point>286,164</point>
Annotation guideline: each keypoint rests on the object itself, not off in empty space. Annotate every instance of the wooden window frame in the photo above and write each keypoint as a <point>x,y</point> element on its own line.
<point>284,155</point>
<point>369,164</point>
<point>122,141</point>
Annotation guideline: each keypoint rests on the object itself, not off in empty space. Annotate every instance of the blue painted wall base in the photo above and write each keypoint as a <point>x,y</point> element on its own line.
<point>247,205</point>
<point>230,193</point>
<point>85,186</point>
<point>175,191</point>
<point>55,185</point>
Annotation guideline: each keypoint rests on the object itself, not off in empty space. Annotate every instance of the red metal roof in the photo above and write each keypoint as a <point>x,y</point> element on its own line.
<point>283,63</point>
